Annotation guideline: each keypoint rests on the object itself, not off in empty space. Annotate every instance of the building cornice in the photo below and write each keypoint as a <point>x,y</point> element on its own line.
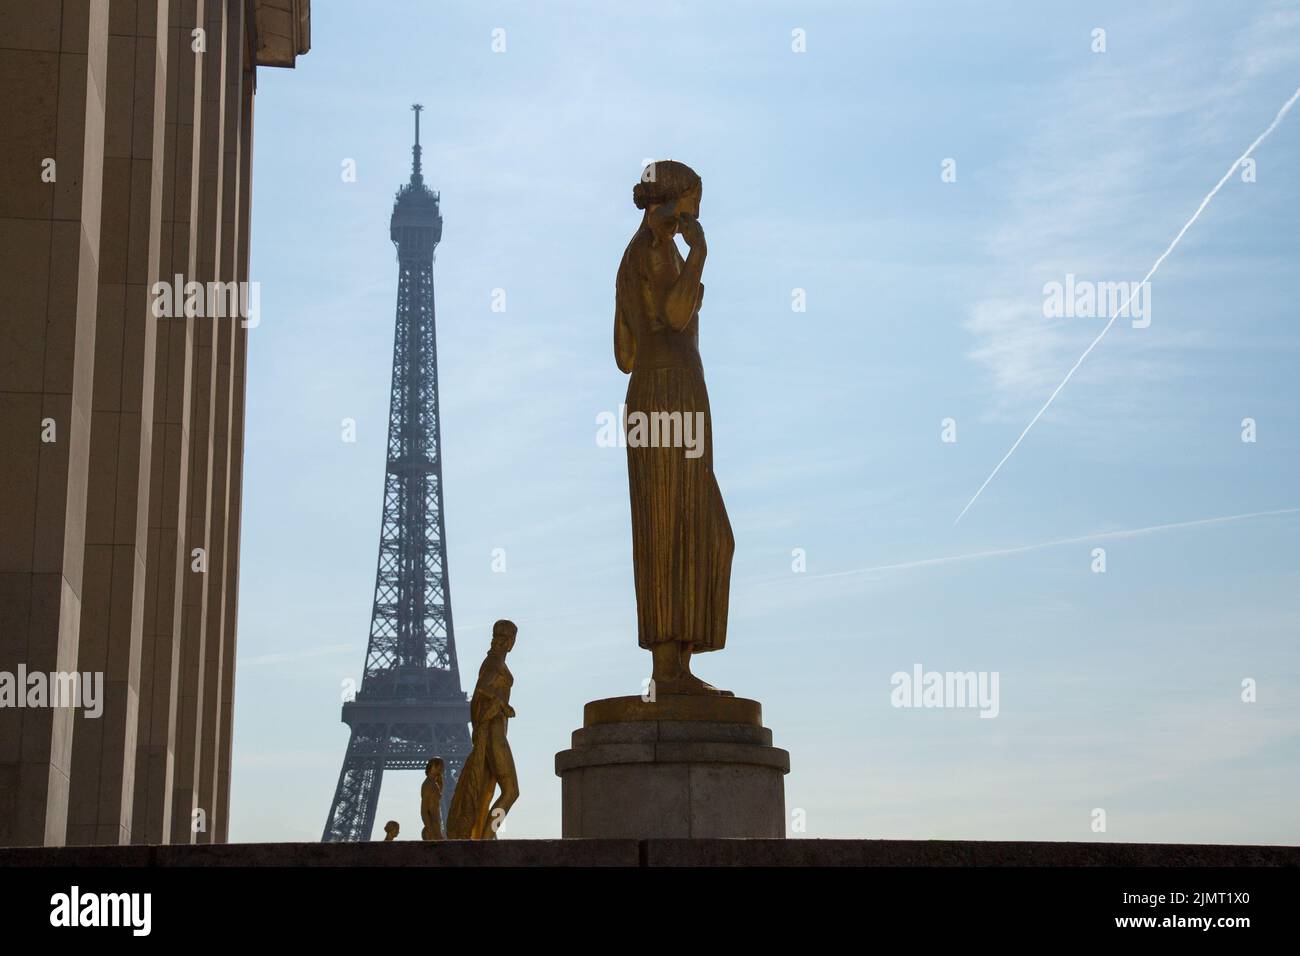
<point>282,30</point>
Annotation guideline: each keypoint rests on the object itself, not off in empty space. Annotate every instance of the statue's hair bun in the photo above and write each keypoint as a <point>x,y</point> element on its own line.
<point>663,181</point>
<point>641,195</point>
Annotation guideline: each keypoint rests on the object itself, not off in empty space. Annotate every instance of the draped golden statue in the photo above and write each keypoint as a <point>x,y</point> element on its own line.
<point>472,815</point>
<point>681,539</point>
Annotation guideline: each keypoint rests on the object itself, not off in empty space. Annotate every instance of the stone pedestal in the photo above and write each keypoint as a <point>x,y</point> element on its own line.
<point>679,766</point>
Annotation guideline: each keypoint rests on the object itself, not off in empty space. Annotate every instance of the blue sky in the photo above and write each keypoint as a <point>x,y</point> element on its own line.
<point>822,172</point>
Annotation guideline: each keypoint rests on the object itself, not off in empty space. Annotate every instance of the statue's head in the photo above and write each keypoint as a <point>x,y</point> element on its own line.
<point>671,184</point>
<point>503,635</point>
<point>433,766</point>
<point>392,828</point>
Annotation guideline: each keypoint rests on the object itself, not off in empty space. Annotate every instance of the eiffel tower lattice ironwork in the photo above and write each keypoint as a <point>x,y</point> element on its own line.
<point>410,706</point>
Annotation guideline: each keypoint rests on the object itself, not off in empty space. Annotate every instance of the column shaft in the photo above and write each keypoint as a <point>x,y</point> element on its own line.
<point>53,67</point>
<point>167,564</point>
<point>188,817</point>
<point>117,503</point>
<point>238,390</point>
<point>224,330</point>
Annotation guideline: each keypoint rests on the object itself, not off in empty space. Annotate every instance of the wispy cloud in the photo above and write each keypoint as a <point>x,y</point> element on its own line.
<point>1038,546</point>
<point>1286,108</point>
<point>1086,193</point>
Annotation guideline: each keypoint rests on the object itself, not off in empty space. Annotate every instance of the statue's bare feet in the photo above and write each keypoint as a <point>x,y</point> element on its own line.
<point>688,683</point>
<point>672,673</point>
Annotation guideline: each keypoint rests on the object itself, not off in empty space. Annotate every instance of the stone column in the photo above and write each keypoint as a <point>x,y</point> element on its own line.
<point>225,325</point>
<point>117,502</point>
<point>53,63</point>
<point>205,209</point>
<point>168,561</point>
<point>238,391</point>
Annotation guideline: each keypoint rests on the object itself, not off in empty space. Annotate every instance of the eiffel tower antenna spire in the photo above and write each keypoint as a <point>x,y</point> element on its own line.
<point>416,175</point>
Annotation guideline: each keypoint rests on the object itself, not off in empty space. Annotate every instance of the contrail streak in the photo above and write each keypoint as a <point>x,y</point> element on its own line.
<point>1081,539</point>
<point>1286,107</point>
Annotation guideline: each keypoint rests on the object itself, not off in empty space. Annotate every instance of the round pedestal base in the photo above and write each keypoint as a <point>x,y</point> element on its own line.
<point>683,766</point>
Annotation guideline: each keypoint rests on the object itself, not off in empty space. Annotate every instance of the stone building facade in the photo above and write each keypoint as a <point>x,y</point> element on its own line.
<point>125,160</point>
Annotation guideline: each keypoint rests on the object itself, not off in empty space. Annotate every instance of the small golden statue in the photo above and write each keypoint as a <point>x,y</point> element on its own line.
<point>391,829</point>
<point>490,762</point>
<point>681,539</point>
<point>431,800</point>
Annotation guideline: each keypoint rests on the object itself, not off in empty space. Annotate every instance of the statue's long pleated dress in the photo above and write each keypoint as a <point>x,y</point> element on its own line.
<point>682,543</point>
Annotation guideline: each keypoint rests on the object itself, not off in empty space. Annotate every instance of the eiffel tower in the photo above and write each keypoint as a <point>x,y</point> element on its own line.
<point>410,706</point>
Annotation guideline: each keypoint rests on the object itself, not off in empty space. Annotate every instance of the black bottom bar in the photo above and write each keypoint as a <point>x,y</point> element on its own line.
<point>640,907</point>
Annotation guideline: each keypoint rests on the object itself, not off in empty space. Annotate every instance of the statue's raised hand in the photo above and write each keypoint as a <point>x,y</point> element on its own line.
<point>692,232</point>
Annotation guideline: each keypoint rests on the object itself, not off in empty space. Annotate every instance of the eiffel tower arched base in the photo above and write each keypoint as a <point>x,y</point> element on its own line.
<point>393,735</point>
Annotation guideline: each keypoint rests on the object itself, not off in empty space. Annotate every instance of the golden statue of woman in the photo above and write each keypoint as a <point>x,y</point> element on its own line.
<point>681,539</point>
<point>472,815</point>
